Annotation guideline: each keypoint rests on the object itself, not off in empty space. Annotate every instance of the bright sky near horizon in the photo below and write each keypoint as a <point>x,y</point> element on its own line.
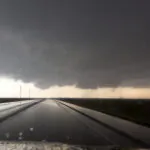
<point>11,88</point>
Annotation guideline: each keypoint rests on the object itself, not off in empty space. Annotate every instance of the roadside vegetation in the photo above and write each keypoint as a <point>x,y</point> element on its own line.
<point>137,111</point>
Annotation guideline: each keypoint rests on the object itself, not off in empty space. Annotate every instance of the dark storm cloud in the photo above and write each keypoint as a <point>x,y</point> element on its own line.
<point>90,43</point>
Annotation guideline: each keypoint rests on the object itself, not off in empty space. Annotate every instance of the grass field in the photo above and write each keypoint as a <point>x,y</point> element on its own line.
<point>6,100</point>
<point>134,110</point>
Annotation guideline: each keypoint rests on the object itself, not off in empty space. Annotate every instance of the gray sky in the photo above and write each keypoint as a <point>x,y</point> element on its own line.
<point>90,43</point>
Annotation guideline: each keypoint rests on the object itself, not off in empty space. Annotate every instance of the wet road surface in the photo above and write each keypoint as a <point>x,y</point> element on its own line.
<point>53,122</point>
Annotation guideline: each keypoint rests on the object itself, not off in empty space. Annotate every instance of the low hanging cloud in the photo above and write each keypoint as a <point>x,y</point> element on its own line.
<point>11,88</point>
<point>66,43</point>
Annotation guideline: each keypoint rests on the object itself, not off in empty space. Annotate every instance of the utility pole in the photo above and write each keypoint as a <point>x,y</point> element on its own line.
<point>29,93</point>
<point>121,92</point>
<point>20,94</point>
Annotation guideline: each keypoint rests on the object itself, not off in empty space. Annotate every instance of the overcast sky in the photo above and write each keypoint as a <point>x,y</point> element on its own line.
<point>87,43</point>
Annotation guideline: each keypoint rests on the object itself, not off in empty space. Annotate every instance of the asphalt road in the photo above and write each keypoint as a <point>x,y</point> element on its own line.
<point>53,122</point>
